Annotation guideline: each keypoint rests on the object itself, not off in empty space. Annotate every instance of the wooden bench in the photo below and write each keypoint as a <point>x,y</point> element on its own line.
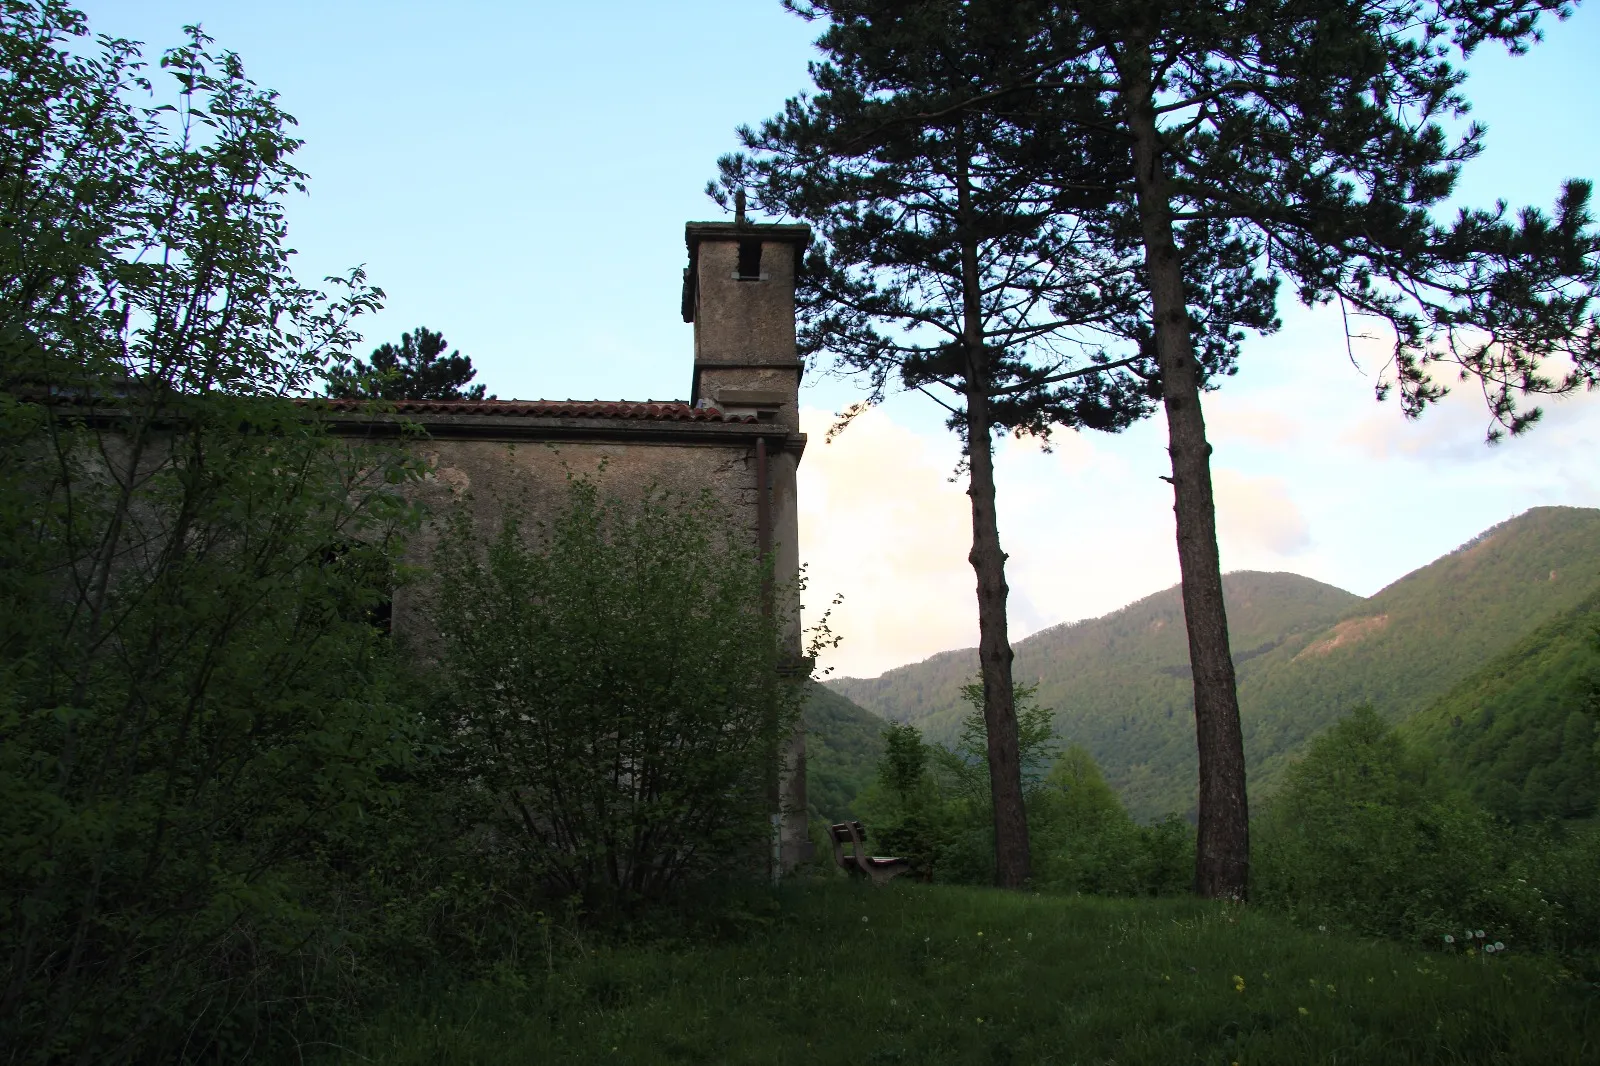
<point>877,868</point>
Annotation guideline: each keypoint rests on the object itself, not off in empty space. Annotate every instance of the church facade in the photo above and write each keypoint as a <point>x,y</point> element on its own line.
<point>738,434</point>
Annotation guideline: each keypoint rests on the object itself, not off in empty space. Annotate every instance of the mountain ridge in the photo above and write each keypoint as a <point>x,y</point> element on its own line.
<point>1306,653</point>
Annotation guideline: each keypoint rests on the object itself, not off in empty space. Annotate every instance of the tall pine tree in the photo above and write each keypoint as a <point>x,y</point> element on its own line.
<point>1267,139</point>
<point>1312,130</point>
<point>946,265</point>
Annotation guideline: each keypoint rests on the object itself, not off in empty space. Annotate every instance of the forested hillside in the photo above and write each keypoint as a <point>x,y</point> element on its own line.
<point>843,743</point>
<point>1410,643</point>
<point>1522,734</point>
<point>1307,653</point>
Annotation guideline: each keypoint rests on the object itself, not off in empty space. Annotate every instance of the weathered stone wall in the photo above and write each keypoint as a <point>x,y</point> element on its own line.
<point>744,393</point>
<point>486,475</point>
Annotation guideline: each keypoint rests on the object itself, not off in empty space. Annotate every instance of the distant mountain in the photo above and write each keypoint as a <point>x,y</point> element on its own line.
<point>843,744</point>
<point>1306,654</point>
<point>1522,733</point>
<point>1413,641</point>
<point>1120,684</point>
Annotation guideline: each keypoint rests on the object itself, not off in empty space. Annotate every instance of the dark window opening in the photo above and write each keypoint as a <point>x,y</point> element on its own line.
<point>380,616</point>
<point>364,572</point>
<point>749,260</point>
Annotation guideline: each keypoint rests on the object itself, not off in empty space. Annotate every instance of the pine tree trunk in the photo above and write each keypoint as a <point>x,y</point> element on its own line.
<point>1011,857</point>
<point>1222,860</point>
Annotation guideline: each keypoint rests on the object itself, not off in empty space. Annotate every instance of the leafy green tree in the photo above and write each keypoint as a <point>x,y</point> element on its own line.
<point>1077,776</point>
<point>195,708</point>
<point>964,765</point>
<point>1363,834</point>
<point>1088,843</point>
<point>613,690</point>
<point>415,369</point>
<point>907,814</point>
<point>904,764</point>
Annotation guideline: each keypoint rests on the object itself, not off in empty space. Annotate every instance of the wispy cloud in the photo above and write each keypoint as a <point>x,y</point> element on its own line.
<point>1310,475</point>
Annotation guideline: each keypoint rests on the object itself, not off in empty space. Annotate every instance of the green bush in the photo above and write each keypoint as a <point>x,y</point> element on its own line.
<point>931,805</point>
<point>612,692</point>
<point>1368,836</point>
<point>1361,835</point>
<point>201,722</point>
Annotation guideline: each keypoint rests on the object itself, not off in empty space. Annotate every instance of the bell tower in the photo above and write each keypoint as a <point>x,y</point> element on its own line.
<point>738,290</point>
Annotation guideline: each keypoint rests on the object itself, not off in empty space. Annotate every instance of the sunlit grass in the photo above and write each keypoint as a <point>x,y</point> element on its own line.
<point>918,974</point>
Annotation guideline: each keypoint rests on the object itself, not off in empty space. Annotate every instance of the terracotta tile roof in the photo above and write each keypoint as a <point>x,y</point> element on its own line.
<point>649,410</point>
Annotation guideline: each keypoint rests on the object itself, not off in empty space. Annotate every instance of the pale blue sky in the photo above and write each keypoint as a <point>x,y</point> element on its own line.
<point>514,175</point>
<point>518,175</point>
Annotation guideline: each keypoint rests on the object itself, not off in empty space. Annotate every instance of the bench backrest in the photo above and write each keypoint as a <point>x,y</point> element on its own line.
<point>841,831</point>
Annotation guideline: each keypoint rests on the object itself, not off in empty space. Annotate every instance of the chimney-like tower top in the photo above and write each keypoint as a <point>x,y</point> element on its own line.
<point>738,290</point>
<point>751,236</point>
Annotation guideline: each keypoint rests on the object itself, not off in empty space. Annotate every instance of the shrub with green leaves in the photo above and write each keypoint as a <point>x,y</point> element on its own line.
<point>201,722</point>
<point>930,804</point>
<point>909,819</point>
<point>1368,835</point>
<point>1362,834</point>
<point>613,690</point>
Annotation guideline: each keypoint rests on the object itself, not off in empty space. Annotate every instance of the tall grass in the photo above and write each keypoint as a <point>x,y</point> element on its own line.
<point>833,972</point>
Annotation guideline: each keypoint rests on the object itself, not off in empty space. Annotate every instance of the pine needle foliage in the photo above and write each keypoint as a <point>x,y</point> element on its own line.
<point>415,369</point>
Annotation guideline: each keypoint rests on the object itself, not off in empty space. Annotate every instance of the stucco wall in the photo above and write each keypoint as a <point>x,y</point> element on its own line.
<point>485,475</point>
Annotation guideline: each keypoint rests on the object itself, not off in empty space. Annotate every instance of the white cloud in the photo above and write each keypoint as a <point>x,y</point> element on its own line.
<point>1231,419</point>
<point>881,524</point>
<point>1310,474</point>
<point>1256,517</point>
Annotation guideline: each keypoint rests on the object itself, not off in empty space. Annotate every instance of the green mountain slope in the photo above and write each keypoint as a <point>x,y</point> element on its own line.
<point>1523,732</point>
<point>843,744</point>
<point>1306,652</point>
<point>1119,684</point>
<point>1411,642</point>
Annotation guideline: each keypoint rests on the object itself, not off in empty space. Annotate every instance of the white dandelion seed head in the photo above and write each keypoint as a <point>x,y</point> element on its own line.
<point>1448,939</point>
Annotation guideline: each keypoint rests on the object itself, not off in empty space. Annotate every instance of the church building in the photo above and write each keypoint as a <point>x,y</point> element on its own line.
<point>738,434</point>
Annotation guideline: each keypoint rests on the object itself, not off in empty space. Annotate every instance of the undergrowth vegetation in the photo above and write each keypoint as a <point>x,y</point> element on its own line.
<point>835,973</point>
<point>239,820</point>
<point>1369,836</point>
<point>608,692</point>
<point>930,804</point>
<point>232,806</point>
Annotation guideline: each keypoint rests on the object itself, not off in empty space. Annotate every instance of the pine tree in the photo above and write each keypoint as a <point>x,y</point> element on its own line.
<point>944,265</point>
<point>1310,131</point>
<point>1267,139</point>
<point>414,369</point>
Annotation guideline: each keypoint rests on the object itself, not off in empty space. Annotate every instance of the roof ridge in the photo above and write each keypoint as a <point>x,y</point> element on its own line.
<point>665,410</point>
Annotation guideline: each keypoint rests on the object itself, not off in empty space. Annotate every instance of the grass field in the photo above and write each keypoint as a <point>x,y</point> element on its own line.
<point>842,973</point>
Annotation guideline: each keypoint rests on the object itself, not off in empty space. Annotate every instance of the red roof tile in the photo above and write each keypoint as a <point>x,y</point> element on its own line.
<point>651,411</point>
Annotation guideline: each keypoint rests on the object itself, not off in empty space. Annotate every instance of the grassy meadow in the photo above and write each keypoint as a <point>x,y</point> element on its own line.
<point>835,972</point>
